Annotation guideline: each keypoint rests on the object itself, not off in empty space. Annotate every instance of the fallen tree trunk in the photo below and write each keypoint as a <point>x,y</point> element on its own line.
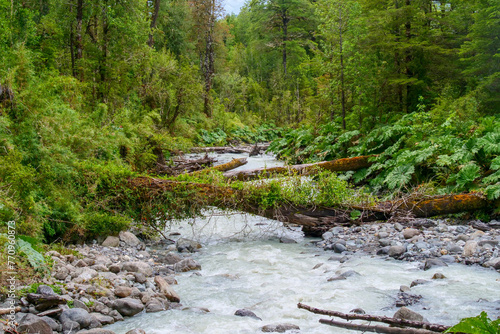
<point>340,165</point>
<point>182,166</point>
<point>235,163</point>
<point>375,329</point>
<point>231,149</point>
<point>383,319</point>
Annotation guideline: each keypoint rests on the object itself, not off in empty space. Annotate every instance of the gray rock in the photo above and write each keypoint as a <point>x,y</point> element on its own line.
<point>404,288</point>
<point>138,267</point>
<point>339,248</point>
<point>327,235</point>
<point>45,290</point>
<point>187,265</point>
<point>80,264</point>
<point>384,242</point>
<point>407,314</point>
<point>285,240</point>
<point>246,313</point>
<point>492,243</point>
<point>431,263</point>
<point>398,227</point>
<point>31,323</point>
<point>349,273</point>
<point>103,319</point>
<point>409,233</point>
<point>56,327</point>
<point>123,291</point>
<point>454,249</point>
<point>384,250</point>
<point>396,251</point>
<point>357,311</point>
<point>166,289</point>
<point>470,248</point>
<point>96,331</point>
<point>61,273</point>
<point>70,327</point>
<point>169,258</point>
<point>136,331</point>
<point>418,282</point>
<point>154,305</point>
<point>186,245</point>
<point>128,306</point>
<point>447,259</point>
<point>129,239</point>
<point>279,328</point>
<point>116,315</point>
<point>79,304</point>
<point>438,276</point>
<point>494,263</point>
<point>114,268</point>
<point>94,322</point>
<point>111,242</point>
<point>140,278</point>
<point>78,315</point>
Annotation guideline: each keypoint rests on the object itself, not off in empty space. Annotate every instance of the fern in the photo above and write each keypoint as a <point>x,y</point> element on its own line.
<point>467,174</point>
<point>36,260</point>
<point>399,176</point>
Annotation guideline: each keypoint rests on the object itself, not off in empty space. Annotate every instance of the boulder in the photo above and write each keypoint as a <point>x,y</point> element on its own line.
<point>79,304</point>
<point>123,291</point>
<point>396,251</point>
<point>169,258</point>
<point>103,319</point>
<point>187,265</point>
<point>45,290</point>
<point>279,328</point>
<point>128,306</point>
<point>186,245</point>
<point>431,263</point>
<point>246,313</point>
<point>339,248</point>
<point>154,305</point>
<point>44,302</point>
<point>114,268</point>
<point>418,282</point>
<point>138,267</point>
<point>56,327</point>
<point>70,327</point>
<point>409,233</point>
<point>494,263</point>
<point>140,278</point>
<point>407,314</point>
<point>438,276</point>
<point>111,242</point>
<point>77,315</point>
<point>61,273</point>
<point>31,323</point>
<point>166,289</point>
<point>285,240</point>
<point>96,331</point>
<point>129,239</point>
<point>470,248</point>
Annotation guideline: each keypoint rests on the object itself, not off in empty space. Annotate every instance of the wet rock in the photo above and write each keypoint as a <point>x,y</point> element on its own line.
<point>317,266</point>
<point>187,265</point>
<point>419,282</point>
<point>494,263</point>
<point>385,242</point>
<point>431,263</point>
<point>45,290</point>
<point>438,276</point>
<point>407,299</point>
<point>96,331</point>
<point>136,331</point>
<point>335,258</point>
<point>166,289</point>
<point>349,273</point>
<point>169,258</point>
<point>396,251</point>
<point>470,248</point>
<point>404,288</point>
<point>279,328</point>
<point>128,306</point>
<point>398,227</point>
<point>116,315</point>
<point>129,239</point>
<point>285,240</point>
<point>407,314</point>
<point>409,233</point>
<point>384,250</point>
<point>335,278</point>
<point>32,324</point>
<point>339,248</point>
<point>186,245</point>
<point>246,313</point>
<point>123,291</point>
<point>357,311</point>
<point>111,242</point>
<point>77,315</point>
<point>154,305</point>
<point>138,267</point>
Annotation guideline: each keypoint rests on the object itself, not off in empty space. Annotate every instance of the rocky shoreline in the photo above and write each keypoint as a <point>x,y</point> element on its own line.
<point>106,283</point>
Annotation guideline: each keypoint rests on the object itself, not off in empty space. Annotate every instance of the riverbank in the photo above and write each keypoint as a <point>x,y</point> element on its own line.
<point>120,278</point>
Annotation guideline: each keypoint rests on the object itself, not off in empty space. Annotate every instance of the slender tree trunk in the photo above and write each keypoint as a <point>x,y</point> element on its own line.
<point>103,63</point>
<point>342,83</point>
<point>79,40</point>
<point>154,18</point>
<point>285,39</point>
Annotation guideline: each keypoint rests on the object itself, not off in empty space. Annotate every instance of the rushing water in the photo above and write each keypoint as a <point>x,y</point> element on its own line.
<point>245,266</point>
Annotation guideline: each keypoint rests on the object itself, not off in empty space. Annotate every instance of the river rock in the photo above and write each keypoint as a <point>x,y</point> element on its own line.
<point>96,331</point>
<point>114,268</point>
<point>128,306</point>
<point>52,323</point>
<point>285,240</point>
<point>186,245</point>
<point>279,328</point>
<point>169,258</point>
<point>70,327</point>
<point>154,305</point>
<point>123,291</point>
<point>246,313</point>
<point>409,233</point>
<point>80,264</point>
<point>418,282</point>
<point>79,304</point>
<point>407,299</point>
<point>187,265</point>
<point>103,319</point>
<point>470,248</point>
<point>44,302</point>
<point>32,324</point>
<point>438,276</point>
<point>61,273</point>
<point>396,251</point>
<point>140,278</point>
<point>407,314</point>
<point>77,315</point>
<point>84,274</point>
<point>129,239</point>
<point>111,242</point>
<point>166,289</point>
<point>45,290</point>
<point>494,263</point>
<point>136,331</point>
<point>138,267</point>
<point>431,263</point>
<point>339,248</point>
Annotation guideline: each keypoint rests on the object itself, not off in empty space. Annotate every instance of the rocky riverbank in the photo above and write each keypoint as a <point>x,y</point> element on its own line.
<point>431,242</point>
<point>105,283</point>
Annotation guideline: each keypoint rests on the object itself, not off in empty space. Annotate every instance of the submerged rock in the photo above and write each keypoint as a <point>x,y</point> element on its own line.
<point>407,314</point>
<point>246,313</point>
<point>279,328</point>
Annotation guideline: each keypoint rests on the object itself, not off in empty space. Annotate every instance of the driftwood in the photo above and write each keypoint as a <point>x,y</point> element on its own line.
<point>375,329</point>
<point>340,165</point>
<point>235,163</point>
<point>182,166</point>
<point>383,319</point>
<point>9,310</point>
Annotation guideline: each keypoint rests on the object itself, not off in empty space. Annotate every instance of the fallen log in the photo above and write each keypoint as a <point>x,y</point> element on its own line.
<point>375,329</point>
<point>383,319</point>
<point>182,166</point>
<point>340,165</point>
<point>235,163</point>
<point>4,311</point>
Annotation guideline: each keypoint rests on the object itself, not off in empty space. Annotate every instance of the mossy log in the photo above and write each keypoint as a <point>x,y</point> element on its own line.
<point>340,165</point>
<point>235,163</point>
<point>440,205</point>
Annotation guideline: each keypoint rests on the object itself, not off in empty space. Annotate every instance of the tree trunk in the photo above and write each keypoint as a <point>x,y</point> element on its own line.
<point>79,39</point>
<point>375,329</point>
<point>152,26</point>
<point>285,21</point>
<point>340,165</point>
<point>235,163</point>
<point>342,84</point>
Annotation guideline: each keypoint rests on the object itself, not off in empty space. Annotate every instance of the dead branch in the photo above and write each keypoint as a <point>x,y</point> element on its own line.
<point>8,310</point>
<point>383,319</point>
<point>375,329</point>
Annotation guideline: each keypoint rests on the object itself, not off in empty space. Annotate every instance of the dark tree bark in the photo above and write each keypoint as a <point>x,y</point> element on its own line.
<point>154,18</point>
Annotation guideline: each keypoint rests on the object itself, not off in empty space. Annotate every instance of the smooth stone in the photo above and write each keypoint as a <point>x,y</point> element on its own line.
<point>349,273</point>
<point>470,248</point>
<point>114,268</point>
<point>79,304</point>
<point>103,319</point>
<point>396,251</point>
<point>409,233</point>
<point>418,282</point>
<point>246,313</point>
<point>169,258</point>
<point>123,291</point>
<point>438,276</point>
<point>448,259</point>
<point>136,331</point>
<point>431,263</point>
<point>285,240</point>
<point>128,306</point>
<point>407,314</point>
<point>494,263</point>
<point>138,267</point>
<point>187,265</point>
<point>96,331</point>
<point>45,290</point>
<point>385,242</point>
<point>129,239</point>
<point>57,327</point>
<point>279,328</point>
<point>358,311</point>
<point>77,315</point>
<point>140,278</point>
<point>166,289</point>
<point>187,245</point>
<point>339,248</point>
<point>404,288</point>
<point>154,305</point>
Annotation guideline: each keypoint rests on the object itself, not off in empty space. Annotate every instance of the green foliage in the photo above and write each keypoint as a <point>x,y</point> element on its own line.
<point>476,325</point>
<point>33,287</point>
<point>36,260</point>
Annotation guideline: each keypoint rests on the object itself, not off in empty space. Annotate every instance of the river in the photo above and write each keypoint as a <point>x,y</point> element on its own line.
<point>244,265</point>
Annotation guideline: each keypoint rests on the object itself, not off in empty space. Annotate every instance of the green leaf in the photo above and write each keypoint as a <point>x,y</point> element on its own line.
<point>467,174</point>
<point>476,325</point>
<point>399,176</point>
<point>493,191</point>
<point>495,163</point>
<point>36,260</point>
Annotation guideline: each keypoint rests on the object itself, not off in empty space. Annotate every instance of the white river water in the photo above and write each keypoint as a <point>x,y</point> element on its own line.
<point>245,266</point>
